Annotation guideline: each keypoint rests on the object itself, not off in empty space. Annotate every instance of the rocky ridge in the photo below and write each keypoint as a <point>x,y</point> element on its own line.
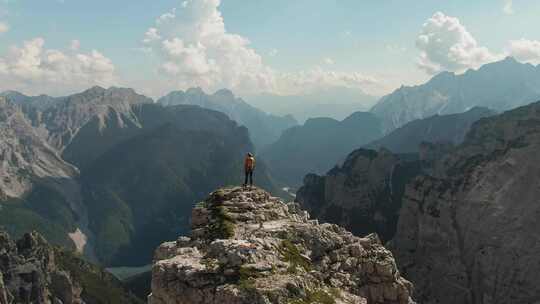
<point>364,195</point>
<point>249,247</point>
<point>24,154</point>
<point>468,231</point>
<point>32,271</point>
<point>499,86</point>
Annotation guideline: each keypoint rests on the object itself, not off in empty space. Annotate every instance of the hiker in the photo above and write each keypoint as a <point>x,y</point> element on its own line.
<point>249,166</point>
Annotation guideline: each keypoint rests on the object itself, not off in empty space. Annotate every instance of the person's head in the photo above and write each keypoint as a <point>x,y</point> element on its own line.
<point>249,154</point>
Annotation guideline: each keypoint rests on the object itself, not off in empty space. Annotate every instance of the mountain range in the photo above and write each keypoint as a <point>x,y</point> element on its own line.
<point>318,145</point>
<point>336,103</point>
<point>445,129</point>
<point>264,128</point>
<point>109,172</point>
<point>499,86</point>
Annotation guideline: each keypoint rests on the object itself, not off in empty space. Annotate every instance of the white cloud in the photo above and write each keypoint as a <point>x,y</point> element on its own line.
<point>525,50</point>
<point>445,44</point>
<point>508,7</point>
<point>4,27</point>
<point>196,49</point>
<point>33,69</point>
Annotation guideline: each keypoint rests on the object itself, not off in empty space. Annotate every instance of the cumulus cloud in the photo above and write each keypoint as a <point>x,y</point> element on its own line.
<point>196,49</point>
<point>33,69</point>
<point>525,50</point>
<point>4,27</point>
<point>446,44</point>
<point>508,7</point>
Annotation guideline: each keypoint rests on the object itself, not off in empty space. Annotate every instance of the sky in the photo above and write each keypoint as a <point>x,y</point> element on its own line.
<point>286,47</point>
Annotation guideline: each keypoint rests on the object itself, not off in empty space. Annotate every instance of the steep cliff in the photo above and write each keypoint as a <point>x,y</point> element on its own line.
<point>364,194</point>
<point>32,271</point>
<point>249,247</point>
<point>468,233</point>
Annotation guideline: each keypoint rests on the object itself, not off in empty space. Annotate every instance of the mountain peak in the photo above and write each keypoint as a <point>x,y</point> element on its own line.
<point>248,247</point>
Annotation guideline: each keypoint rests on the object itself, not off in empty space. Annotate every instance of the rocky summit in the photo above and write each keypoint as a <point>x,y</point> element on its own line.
<point>249,247</point>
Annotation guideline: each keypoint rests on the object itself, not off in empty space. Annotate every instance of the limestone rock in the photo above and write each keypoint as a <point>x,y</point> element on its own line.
<point>32,271</point>
<point>363,195</point>
<point>468,233</point>
<point>249,247</point>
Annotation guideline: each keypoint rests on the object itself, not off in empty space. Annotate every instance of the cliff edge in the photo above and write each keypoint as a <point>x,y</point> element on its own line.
<point>249,247</point>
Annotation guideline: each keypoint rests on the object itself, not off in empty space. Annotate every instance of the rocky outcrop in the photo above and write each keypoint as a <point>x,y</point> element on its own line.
<point>32,271</point>
<point>363,195</point>
<point>468,233</point>
<point>249,247</point>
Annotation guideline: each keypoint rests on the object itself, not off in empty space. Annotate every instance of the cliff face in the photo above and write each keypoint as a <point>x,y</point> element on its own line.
<point>24,154</point>
<point>32,271</point>
<point>469,233</point>
<point>363,195</point>
<point>249,247</point>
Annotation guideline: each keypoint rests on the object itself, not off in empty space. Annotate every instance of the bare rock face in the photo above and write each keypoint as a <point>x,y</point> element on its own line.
<point>363,195</point>
<point>249,247</point>
<point>24,154</point>
<point>469,233</point>
<point>32,271</point>
<point>30,274</point>
<point>64,120</point>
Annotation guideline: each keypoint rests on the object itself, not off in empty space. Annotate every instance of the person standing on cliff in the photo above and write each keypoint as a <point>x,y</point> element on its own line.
<point>249,166</point>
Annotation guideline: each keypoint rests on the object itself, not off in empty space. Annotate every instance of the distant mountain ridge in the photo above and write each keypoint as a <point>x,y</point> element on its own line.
<point>499,86</point>
<point>318,145</point>
<point>336,103</point>
<point>264,128</point>
<point>445,129</point>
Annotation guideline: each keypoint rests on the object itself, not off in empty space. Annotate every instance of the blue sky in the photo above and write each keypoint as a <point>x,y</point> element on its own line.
<point>372,44</point>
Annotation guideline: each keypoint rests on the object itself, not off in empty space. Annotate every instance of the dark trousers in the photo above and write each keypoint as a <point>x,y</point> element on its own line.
<point>249,173</point>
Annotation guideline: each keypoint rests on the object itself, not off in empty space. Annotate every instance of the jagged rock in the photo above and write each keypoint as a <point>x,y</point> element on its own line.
<point>363,195</point>
<point>24,155</point>
<point>468,234</point>
<point>249,247</point>
<point>32,271</point>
